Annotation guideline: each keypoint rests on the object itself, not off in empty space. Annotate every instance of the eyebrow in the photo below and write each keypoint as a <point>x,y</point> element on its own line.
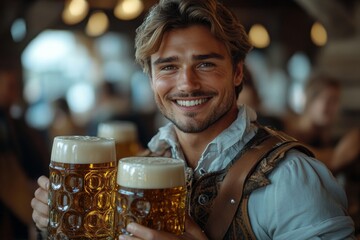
<point>165,60</point>
<point>208,56</point>
<point>195,57</point>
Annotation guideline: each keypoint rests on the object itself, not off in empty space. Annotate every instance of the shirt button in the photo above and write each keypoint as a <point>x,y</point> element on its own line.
<point>203,199</point>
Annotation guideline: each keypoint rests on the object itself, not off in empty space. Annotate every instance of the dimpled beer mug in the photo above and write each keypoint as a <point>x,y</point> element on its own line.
<point>151,191</point>
<point>125,135</point>
<point>82,188</point>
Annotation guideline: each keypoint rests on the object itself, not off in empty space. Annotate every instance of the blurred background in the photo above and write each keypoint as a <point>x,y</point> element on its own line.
<point>69,48</point>
<point>73,62</point>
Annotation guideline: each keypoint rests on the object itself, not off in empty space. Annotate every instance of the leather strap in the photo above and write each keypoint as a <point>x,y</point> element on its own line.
<point>230,193</point>
<point>276,153</point>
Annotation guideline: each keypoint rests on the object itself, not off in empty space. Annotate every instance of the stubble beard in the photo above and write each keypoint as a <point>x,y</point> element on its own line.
<point>191,124</point>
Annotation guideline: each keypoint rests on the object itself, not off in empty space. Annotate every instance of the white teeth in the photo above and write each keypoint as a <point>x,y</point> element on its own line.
<point>191,103</point>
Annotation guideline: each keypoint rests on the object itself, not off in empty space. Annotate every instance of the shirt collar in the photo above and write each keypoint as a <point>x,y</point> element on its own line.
<point>166,137</point>
<point>237,130</point>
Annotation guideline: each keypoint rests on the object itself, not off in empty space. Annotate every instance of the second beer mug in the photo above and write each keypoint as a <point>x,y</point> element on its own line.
<point>152,192</point>
<point>125,135</point>
<point>82,188</point>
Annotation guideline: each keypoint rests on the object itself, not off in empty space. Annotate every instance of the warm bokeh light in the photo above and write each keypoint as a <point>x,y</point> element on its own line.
<point>98,23</point>
<point>259,36</point>
<point>128,9</point>
<point>318,34</point>
<point>75,11</point>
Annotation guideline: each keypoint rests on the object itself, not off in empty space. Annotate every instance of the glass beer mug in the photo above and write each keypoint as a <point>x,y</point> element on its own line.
<point>151,191</point>
<point>82,188</point>
<point>125,135</point>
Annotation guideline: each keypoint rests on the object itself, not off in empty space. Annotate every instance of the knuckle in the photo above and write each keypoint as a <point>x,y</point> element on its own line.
<point>33,202</point>
<point>34,216</point>
<point>37,192</point>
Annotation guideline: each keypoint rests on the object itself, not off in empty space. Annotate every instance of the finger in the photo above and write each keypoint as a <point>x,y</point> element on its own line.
<point>41,195</point>
<point>146,233</point>
<point>140,231</point>
<point>43,182</point>
<point>128,237</point>
<point>40,219</point>
<point>40,206</point>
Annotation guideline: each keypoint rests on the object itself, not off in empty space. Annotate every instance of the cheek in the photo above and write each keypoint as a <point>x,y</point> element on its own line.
<point>160,86</point>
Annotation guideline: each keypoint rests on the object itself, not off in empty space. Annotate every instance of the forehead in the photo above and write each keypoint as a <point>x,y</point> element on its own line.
<point>196,39</point>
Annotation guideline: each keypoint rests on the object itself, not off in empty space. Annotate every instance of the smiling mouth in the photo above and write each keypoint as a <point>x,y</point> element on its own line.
<point>191,103</point>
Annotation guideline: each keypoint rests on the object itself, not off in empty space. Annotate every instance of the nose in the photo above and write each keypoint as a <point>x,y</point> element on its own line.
<point>188,80</point>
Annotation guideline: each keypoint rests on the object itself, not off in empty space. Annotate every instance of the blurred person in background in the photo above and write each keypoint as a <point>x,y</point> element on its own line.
<point>346,162</point>
<point>315,127</point>
<point>110,101</point>
<point>24,154</point>
<point>63,122</point>
<point>113,105</point>
<point>315,123</point>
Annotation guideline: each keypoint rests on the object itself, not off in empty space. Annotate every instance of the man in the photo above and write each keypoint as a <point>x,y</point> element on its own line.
<point>193,52</point>
<point>321,109</point>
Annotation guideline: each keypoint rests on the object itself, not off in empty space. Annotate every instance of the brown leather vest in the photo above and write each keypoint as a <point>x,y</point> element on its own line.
<point>204,190</point>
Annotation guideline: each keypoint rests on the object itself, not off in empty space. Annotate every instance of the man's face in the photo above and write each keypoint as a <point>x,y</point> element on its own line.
<point>193,79</point>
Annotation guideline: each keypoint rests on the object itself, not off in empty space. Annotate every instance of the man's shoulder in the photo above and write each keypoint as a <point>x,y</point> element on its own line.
<point>299,166</point>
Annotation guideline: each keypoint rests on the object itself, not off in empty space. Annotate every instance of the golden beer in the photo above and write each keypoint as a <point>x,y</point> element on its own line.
<point>151,191</point>
<point>82,188</point>
<point>125,135</point>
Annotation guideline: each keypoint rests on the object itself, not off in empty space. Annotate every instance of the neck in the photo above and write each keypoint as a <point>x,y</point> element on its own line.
<point>194,144</point>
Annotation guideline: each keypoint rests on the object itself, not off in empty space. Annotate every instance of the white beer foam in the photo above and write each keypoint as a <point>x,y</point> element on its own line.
<point>83,150</point>
<point>151,172</point>
<point>121,131</point>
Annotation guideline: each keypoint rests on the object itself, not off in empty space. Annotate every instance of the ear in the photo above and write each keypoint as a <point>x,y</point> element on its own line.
<point>238,73</point>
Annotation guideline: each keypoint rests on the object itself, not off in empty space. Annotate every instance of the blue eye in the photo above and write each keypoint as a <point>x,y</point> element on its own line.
<point>168,68</point>
<point>206,65</point>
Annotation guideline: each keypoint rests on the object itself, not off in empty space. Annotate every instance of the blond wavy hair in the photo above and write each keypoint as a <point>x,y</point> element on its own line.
<point>173,14</point>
